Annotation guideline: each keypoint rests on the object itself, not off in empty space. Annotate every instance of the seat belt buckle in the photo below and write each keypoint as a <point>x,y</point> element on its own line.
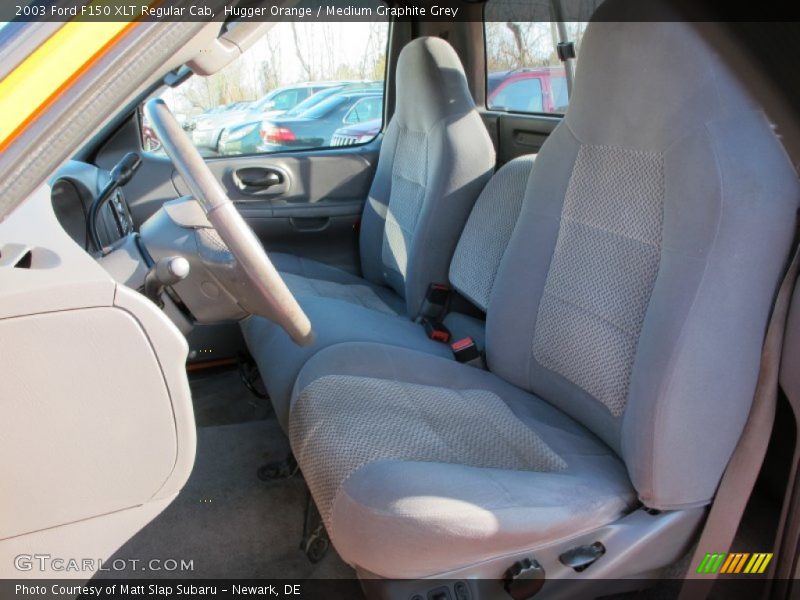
<point>436,331</point>
<point>435,301</point>
<point>466,351</point>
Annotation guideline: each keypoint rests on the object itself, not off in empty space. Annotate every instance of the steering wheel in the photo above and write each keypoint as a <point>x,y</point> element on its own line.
<point>261,285</point>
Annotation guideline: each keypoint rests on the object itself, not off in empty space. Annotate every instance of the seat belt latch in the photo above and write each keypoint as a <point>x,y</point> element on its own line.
<point>466,350</point>
<point>435,301</point>
<point>436,331</point>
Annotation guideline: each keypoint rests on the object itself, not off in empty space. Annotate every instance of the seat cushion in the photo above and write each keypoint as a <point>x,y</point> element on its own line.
<point>334,321</point>
<point>306,277</point>
<point>449,462</point>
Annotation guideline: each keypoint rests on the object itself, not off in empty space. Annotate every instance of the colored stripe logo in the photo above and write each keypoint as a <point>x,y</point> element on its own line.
<point>735,563</point>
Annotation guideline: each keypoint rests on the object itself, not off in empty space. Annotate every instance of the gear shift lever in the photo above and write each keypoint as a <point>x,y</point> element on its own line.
<point>167,271</point>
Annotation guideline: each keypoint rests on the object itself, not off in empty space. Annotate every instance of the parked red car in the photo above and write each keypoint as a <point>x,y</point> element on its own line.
<point>530,90</point>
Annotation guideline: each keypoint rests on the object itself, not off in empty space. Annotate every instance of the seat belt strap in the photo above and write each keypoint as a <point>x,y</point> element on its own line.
<point>433,310</point>
<point>740,475</point>
<point>434,305</point>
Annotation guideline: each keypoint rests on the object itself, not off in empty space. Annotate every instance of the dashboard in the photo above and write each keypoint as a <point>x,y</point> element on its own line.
<point>73,188</point>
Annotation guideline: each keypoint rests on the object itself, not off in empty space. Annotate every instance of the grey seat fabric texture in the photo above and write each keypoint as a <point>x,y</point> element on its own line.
<point>309,278</point>
<point>346,319</point>
<point>623,329</point>
<point>279,360</point>
<point>488,230</point>
<point>419,463</point>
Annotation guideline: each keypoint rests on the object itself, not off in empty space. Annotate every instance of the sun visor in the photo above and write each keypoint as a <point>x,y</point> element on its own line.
<point>237,38</point>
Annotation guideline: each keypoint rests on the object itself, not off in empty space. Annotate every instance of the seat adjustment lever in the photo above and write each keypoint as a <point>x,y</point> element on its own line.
<point>582,557</point>
<point>524,579</point>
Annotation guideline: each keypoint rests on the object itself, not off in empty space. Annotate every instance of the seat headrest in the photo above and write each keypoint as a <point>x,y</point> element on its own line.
<point>643,85</point>
<point>431,84</point>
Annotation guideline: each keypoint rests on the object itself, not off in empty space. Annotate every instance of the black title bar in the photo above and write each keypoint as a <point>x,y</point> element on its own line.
<point>378,10</point>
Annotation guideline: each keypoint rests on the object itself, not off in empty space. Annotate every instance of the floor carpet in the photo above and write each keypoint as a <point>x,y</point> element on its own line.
<point>220,397</point>
<point>229,522</point>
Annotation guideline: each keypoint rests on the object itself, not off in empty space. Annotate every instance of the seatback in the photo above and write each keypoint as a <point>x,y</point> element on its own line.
<point>488,230</point>
<point>635,290</point>
<point>435,158</point>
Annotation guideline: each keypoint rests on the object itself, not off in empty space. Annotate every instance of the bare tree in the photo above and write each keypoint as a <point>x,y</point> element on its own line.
<point>373,61</point>
<point>318,49</point>
<point>328,35</point>
<point>304,63</point>
<point>520,43</point>
<point>514,44</point>
<point>197,93</point>
<point>270,71</point>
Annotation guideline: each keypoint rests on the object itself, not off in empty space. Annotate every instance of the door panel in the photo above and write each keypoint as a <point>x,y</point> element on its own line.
<point>312,211</point>
<point>333,241</point>
<point>258,181</point>
<point>309,177</point>
<point>518,134</point>
<point>306,203</point>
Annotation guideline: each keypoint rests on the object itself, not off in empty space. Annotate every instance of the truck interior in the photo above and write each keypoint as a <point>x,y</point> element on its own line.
<point>495,333</point>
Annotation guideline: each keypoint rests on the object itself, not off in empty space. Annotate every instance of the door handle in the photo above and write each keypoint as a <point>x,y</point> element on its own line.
<point>255,180</point>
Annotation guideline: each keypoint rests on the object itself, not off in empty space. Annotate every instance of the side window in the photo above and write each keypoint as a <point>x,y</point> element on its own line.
<point>294,89</point>
<point>558,87</point>
<point>519,95</point>
<point>524,71</point>
<point>365,109</point>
